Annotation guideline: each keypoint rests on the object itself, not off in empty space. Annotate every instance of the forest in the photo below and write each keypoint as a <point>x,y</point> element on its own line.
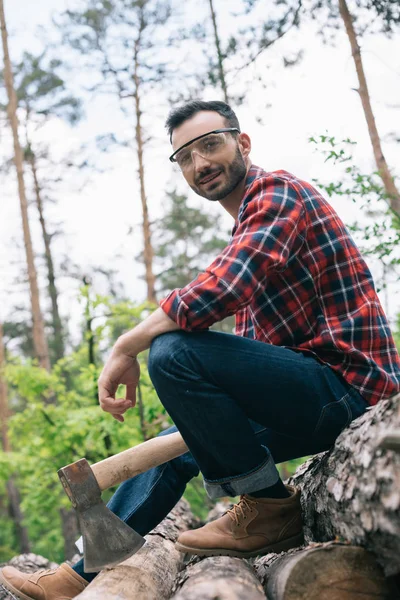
<point>97,226</point>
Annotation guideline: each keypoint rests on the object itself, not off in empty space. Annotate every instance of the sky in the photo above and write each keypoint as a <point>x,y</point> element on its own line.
<point>101,223</point>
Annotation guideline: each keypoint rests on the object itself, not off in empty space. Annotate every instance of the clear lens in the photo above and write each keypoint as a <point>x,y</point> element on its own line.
<point>206,147</point>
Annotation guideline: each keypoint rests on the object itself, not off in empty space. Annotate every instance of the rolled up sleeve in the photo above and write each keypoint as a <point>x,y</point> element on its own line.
<point>269,232</point>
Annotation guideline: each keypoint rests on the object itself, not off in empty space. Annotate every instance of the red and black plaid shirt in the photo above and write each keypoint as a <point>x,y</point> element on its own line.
<point>294,277</point>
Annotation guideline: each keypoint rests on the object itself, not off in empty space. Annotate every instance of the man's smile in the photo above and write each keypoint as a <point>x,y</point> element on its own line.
<point>209,178</point>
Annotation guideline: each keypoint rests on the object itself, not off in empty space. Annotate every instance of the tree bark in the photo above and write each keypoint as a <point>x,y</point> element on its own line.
<point>142,420</point>
<point>21,531</point>
<point>220,58</point>
<point>150,573</point>
<point>332,571</point>
<point>148,252</point>
<point>352,492</point>
<point>383,169</point>
<point>12,490</point>
<point>70,530</point>
<point>39,338</point>
<point>56,320</point>
<point>219,577</point>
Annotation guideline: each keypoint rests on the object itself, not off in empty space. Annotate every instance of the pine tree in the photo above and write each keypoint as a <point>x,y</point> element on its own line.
<point>39,338</point>
<point>123,40</point>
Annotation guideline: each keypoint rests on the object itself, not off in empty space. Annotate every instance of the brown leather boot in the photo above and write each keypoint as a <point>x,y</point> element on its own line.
<point>55,584</point>
<point>253,526</point>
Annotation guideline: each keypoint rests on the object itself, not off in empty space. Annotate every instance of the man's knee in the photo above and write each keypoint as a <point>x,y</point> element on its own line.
<point>162,350</point>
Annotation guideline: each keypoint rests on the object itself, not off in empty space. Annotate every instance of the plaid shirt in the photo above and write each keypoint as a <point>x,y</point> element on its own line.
<point>293,277</point>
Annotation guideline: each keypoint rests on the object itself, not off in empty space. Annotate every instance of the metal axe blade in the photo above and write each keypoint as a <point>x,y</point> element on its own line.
<point>106,539</point>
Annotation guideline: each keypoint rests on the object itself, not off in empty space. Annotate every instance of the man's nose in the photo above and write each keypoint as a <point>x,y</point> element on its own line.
<point>199,162</point>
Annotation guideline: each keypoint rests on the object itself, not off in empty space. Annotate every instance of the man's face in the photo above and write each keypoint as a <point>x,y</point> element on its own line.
<point>213,177</point>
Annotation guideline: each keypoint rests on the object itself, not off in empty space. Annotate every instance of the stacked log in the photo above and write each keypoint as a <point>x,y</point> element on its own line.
<point>219,577</point>
<point>151,572</point>
<point>351,508</point>
<point>351,495</point>
<point>353,491</point>
<point>331,570</point>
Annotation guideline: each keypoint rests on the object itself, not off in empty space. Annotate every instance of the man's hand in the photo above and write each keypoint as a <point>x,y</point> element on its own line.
<point>119,369</point>
<point>123,367</point>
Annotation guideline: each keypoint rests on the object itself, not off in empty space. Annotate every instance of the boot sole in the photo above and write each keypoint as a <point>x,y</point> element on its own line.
<point>292,542</point>
<point>12,590</point>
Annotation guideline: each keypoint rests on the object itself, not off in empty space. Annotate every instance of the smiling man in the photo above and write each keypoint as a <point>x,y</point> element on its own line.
<point>312,351</point>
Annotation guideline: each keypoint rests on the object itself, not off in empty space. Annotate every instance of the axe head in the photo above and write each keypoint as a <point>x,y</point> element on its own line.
<point>107,540</point>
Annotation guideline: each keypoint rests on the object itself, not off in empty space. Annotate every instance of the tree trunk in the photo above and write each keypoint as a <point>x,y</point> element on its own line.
<point>56,320</point>
<point>219,577</point>
<point>383,169</point>
<point>332,571</point>
<point>148,248</point>
<point>70,529</point>
<point>220,58</point>
<point>143,424</point>
<point>353,491</point>
<point>12,490</point>
<point>17,516</point>
<point>39,339</point>
<point>150,573</point>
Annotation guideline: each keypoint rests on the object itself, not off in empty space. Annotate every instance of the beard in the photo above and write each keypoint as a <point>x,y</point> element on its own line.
<point>235,173</point>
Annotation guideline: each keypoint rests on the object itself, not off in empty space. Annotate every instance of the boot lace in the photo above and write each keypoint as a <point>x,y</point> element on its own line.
<point>240,510</point>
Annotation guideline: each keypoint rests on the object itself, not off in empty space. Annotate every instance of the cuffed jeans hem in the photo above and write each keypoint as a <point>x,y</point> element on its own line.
<point>264,476</point>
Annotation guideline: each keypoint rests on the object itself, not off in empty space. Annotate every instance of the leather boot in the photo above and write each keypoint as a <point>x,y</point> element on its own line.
<point>55,584</point>
<point>253,526</point>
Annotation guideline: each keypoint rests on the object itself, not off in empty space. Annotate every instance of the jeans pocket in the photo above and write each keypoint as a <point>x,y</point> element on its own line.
<point>335,416</point>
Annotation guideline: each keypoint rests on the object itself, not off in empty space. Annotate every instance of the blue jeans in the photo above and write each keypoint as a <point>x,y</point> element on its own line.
<point>241,406</point>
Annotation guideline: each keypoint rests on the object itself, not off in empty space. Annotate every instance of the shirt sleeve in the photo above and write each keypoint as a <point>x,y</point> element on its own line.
<point>270,231</point>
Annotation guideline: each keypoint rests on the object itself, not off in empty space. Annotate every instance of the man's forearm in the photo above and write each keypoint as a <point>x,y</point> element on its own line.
<point>138,339</point>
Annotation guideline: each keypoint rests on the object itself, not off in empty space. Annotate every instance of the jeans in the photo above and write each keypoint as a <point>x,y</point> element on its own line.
<point>242,406</point>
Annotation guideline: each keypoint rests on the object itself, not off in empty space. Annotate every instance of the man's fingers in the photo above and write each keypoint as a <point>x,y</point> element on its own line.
<point>130,395</point>
<point>115,405</point>
<point>119,418</point>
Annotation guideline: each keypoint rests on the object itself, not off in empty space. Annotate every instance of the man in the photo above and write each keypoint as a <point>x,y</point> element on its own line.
<point>312,351</point>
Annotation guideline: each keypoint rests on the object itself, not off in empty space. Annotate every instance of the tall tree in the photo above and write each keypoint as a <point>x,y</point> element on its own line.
<point>122,40</point>
<point>389,11</point>
<point>39,338</point>
<point>229,50</point>
<point>220,56</point>
<point>42,95</point>
<point>186,241</point>
<point>12,489</point>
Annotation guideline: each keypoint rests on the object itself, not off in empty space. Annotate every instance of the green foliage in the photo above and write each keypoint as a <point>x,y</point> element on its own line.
<point>196,495</point>
<point>376,228</point>
<point>187,242</point>
<point>42,91</point>
<point>58,422</point>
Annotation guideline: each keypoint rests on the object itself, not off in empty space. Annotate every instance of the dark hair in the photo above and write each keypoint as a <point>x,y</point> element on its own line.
<point>179,115</point>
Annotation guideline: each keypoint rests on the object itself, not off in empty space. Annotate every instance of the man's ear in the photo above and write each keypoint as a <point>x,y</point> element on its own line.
<point>244,144</point>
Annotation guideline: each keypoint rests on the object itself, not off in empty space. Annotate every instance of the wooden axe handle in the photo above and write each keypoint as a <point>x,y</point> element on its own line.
<point>140,458</point>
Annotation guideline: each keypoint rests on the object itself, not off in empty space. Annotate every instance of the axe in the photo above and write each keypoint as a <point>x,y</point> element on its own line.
<point>106,539</point>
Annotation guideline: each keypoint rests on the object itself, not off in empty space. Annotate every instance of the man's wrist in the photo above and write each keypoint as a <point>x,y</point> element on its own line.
<point>125,344</point>
<point>138,339</point>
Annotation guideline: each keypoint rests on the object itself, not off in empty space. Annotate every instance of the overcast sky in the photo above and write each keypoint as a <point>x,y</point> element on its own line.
<point>315,96</point>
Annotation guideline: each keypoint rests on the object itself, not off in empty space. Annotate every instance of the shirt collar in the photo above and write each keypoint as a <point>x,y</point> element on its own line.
<point>252,174</point>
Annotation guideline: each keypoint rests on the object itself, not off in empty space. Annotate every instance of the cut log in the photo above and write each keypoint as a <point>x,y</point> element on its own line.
<point>352,492</point>
<point>332,571</point>
<point>150,573</point>
<point>218,577</point>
